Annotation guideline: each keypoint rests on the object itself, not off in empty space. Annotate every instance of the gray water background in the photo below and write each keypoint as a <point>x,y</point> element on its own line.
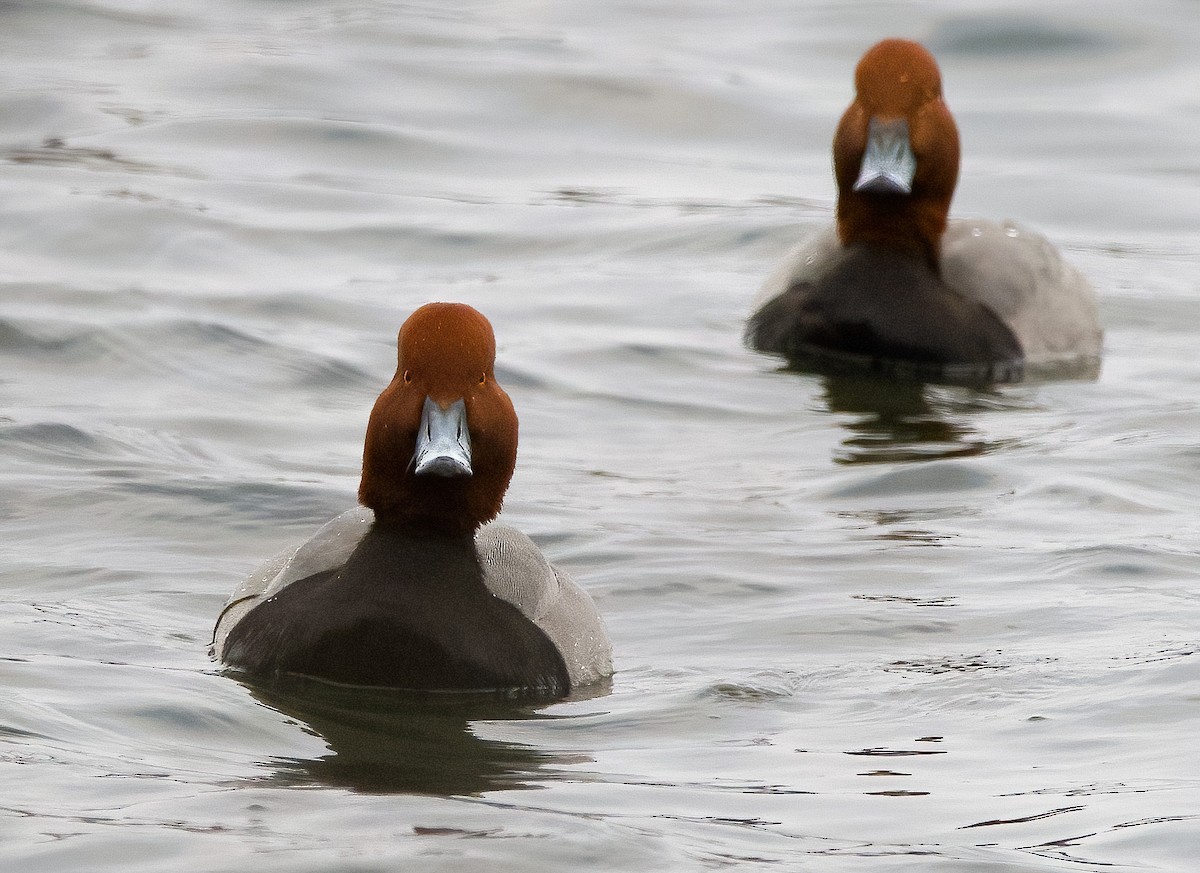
<point>857,627</point>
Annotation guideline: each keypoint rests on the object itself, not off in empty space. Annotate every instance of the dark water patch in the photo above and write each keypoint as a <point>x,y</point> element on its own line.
<point>523,378</point>
<point>54,152</point>
<point>14,339</point>
<point>1100,789</point>
<point>340,154</point>
<point>420,831</point>
<point>966,664</point>
<point>147,197</point>
<point>134,116</point>
<point>170,722</point>
<point>51,435</point>
<point>205,349</point>
<point>135,345</point>
<point>894,753</point>
<point>1024,819</point>
<point>209,335</point>
<point>59,443</point>
<point>290,308</point>
<point>1167,653</point>
<point>332,381</point>
<point>60,342</point>
<point>647,375</point>
<point>85,15</point>
<point>16,733</point>
<point>580,196</point>
<point>241,503</point>
<point>1021,36</point>
<point>910,536</point>
<point>1158,819</point>
<point>912,601</point>
<point>1100,496</point>
<point>107,453</point>
<point>681,233</point>
<point>1158,560</point>
<point>935,477</point>
<point>917,522</point>
<point>897,792</point>
<point>401,242</point>
<point>190,351</point>
<point>326,374</point>
<point>758,689</point>
<point>760,206</point>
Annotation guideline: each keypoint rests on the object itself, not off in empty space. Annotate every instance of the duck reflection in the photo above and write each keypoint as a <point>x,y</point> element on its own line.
<point>387,741</point>
<point>898,420</point>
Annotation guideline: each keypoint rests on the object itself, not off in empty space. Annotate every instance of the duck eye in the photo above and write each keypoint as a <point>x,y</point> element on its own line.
<point>483,379</point>
<point>407,377</point>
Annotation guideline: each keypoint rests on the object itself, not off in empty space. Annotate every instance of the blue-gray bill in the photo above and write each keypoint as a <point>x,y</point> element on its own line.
<point>888,164</point>
<point>443,441</point>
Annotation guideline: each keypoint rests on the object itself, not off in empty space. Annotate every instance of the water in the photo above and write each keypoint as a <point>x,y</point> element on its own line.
<point>857,627</point>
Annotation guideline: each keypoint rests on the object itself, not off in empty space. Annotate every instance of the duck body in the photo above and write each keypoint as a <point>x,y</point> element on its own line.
<point>1003,304</point>
<point>896,284</point>
<point>865,303</point>
<point>419,588</point>
<point>362,605</point>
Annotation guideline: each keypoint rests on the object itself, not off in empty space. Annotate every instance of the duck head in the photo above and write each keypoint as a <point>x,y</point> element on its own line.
<point>895,154</point>
<point>441,442</point>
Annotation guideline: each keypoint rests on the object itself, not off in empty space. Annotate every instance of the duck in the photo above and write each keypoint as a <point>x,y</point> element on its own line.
<point>419,587</point>
<point>895,285</point>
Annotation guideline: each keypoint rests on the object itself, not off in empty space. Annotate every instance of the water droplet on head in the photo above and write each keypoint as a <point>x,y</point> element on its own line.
<point>1011,231</point>
<point>977,231</point>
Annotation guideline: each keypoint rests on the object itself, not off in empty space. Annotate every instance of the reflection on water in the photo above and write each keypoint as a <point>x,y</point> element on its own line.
<point>913,420</point>
<point>896,421</point>
<point>387,741</point>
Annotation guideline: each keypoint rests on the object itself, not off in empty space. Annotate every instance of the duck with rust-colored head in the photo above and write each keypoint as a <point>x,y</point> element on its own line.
<point>419,588</point>
<point>898,286</point>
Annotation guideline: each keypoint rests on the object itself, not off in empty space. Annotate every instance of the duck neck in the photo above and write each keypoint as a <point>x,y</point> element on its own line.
<point>902,224</point>
<point>447,527</point>
<point>411,552</point>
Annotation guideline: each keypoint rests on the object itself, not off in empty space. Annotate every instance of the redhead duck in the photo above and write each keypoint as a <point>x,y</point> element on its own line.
<point>418,588</point>
<point>896,286</point>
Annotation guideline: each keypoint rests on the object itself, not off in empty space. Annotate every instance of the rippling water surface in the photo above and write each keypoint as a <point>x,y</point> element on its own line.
<point>858,627</point>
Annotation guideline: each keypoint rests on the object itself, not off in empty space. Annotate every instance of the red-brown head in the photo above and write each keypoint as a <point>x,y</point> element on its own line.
<point>895,155</point>
<point>441,443</point>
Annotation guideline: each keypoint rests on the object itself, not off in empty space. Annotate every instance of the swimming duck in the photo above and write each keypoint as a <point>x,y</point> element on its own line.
<point>895,285</point>
<point>419,588</point>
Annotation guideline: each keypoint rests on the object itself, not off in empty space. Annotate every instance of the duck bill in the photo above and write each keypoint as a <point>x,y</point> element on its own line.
<point>443,441</point>
<point>888,164</point>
